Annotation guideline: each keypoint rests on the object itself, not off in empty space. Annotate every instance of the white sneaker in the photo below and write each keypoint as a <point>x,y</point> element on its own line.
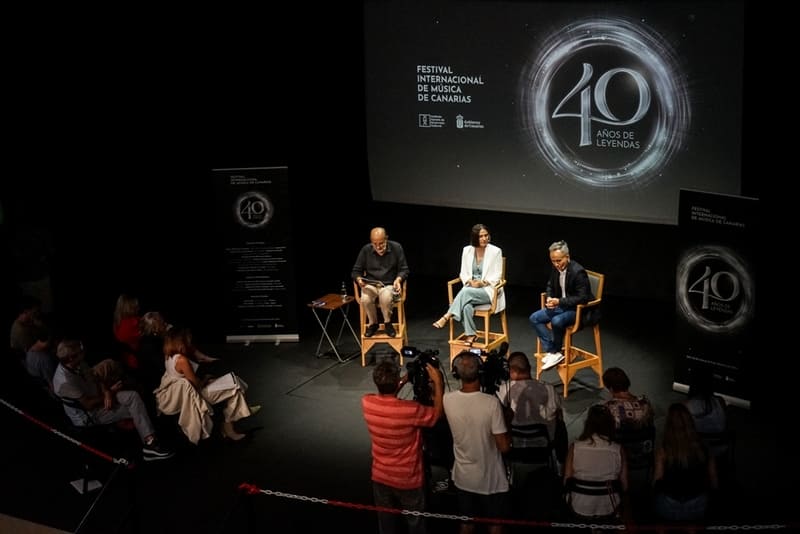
<point>551,359</point>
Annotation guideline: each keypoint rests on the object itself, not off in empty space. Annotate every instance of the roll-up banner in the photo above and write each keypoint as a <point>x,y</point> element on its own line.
<point>716,291</point>
<point>257,245</point>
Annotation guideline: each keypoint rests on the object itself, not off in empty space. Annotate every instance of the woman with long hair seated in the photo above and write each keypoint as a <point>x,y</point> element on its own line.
<point>685,472</point>
<point>481,270</point>
<point>596,456</point>
<point>185,392</point>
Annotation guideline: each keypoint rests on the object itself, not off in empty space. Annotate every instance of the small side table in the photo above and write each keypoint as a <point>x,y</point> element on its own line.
<point>330,303</point>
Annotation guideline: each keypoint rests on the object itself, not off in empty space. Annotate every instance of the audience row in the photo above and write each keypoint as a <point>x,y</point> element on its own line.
<point>156,370</point>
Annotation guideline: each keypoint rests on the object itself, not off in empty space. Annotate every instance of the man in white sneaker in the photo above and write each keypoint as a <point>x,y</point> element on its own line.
<point>567,287</point>
<point>93,396</point>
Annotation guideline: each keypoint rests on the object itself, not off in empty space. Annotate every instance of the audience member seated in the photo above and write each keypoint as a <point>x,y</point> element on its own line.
<point>635,431</point>
<point>594,456</point>
<point>532,402</point>
<point>151,349</point>
<point>41,362</point>
<point>127,330</point>
<point>184,392</point>
<point>151,352</point>
<point>707,408</point>
<point>26,328</point>
<point>99,392</point>
<point>709,412</point>
<point>630,412</point>
<point>685,472</point>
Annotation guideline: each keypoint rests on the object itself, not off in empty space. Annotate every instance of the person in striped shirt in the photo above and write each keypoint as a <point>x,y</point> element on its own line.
<point>395,429</point>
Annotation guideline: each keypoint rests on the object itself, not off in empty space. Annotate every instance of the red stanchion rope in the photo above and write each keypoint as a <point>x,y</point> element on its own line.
<point>89,448</point>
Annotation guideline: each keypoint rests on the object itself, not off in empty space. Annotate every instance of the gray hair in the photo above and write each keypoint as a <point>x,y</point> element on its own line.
<point>468,366</point>
<point>68,348</point>
<point>560,246</point>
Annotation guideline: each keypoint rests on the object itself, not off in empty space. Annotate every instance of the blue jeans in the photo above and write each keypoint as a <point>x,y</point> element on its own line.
<point>559,319</point>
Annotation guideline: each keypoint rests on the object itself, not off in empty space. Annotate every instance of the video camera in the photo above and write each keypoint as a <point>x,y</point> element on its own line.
<point>417,373</point>
<point>494,369</point>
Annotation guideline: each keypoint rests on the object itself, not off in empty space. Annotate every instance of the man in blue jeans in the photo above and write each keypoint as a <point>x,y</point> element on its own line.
<point>567,287</point>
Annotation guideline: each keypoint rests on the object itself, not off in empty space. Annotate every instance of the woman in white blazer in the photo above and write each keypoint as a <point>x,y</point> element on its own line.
<point>481,270</point>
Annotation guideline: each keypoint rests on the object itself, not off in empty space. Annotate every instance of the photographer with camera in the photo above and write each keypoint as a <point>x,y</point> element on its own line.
<point>480,438</point>
<point>395,428</point>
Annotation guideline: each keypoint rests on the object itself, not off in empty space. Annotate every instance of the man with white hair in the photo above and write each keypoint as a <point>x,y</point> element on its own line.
<point>93,396</point>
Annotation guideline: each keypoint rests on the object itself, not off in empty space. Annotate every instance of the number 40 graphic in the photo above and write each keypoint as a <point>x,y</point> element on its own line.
<point>601,101</point>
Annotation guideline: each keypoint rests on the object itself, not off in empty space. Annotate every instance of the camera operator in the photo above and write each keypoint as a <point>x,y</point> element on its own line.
<point>480,438</point>
<point>395,428</point>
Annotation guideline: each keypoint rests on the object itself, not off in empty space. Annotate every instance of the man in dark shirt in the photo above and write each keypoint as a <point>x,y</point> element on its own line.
<point>379,271</point>
<point>567,286</point>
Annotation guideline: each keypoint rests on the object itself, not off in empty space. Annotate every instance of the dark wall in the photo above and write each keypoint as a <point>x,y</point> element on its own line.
<point>130,205</point>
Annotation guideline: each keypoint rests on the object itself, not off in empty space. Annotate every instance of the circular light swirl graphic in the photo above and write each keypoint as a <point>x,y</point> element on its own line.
<point>253,209</point>
<point>695,280</point>
<point>669,113</point>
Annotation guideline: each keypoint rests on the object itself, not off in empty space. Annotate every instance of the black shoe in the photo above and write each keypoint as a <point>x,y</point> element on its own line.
<point>155,451</point>
<point>389,329</point>
<point>371,329</point>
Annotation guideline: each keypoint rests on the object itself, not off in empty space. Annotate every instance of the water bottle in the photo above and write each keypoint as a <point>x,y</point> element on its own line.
<point>344,291</point>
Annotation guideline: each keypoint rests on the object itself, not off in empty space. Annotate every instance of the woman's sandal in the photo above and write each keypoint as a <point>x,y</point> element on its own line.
<point>469,340</point>
<point>442,322</point>
<point>229,433</point>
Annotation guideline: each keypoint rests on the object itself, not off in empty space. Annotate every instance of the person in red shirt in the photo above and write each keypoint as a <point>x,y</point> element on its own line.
<point>395,428</point>
<point>126,329</point>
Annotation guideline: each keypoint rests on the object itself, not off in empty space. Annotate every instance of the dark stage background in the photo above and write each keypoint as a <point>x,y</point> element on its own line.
<point>113,160</point>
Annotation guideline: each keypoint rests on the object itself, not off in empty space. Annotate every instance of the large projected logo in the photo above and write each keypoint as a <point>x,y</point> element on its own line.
<point>714,289</point>
<point>605,104</point>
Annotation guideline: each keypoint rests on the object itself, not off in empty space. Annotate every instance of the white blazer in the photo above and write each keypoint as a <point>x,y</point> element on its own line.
<point>492,269</point>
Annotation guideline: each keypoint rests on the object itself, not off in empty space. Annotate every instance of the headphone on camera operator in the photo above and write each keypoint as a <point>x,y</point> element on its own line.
<point>471,353</point>
<point>491,371</point>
